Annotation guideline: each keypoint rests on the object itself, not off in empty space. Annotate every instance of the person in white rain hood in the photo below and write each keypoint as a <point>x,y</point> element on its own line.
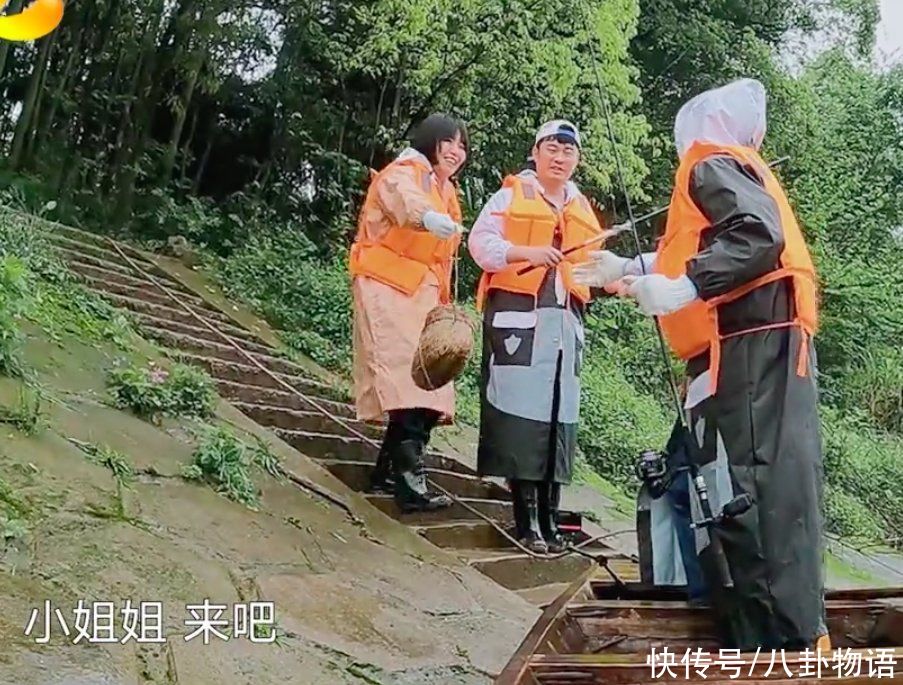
<point>533,330</point>
<point>735,287</point>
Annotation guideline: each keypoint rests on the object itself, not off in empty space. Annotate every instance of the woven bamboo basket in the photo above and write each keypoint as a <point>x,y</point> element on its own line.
<point>445,344</point>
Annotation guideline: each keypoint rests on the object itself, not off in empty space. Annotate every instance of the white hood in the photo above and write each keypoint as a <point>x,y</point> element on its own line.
<point>731,115</point>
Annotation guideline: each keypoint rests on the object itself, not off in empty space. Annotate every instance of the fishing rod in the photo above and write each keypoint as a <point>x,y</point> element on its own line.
<point>621,228</point>
<point>739,504</point>
<point>632,225</point>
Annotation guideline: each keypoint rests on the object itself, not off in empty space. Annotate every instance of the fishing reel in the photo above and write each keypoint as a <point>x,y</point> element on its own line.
<point>651,468</point>
<point>736,507</point>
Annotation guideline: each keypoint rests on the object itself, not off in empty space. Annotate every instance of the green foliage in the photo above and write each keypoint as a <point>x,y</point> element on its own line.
<point>225,462</point>
<point>27,415</point>
<point>12,529</point>
<point>847,516</point>
<point>57,301</point>
<point>13,302</point>
<point>327,353</point>
<point>13,515</point>
<point>152,392</point>
<point>864,464</point>
<point>23,236</point>
<point>877,387</point>
<point>278,274</point>
<point>112,459</point>
<point>616,421</point>
<point>65,308</point>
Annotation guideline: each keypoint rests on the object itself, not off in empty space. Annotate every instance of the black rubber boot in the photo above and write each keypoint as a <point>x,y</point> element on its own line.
<point>381,481</point>
<point>526,513</point>
<point>549,498</point>
<point>411,493</point>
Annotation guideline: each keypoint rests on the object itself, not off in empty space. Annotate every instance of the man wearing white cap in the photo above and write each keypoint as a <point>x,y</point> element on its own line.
<point>735,287</point>
<point>533,330</point>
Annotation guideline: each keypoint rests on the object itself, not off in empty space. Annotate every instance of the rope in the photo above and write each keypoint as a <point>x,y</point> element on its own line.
<point>571,549</point>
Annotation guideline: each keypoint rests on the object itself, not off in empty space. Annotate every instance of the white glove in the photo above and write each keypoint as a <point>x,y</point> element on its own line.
<point>440,225</point>
<point>657,295</point>
<point>634,269</point>
<point>603,268</point>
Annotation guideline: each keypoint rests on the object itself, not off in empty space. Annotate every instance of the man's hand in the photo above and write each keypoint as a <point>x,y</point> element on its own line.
<point>658,295</point>
<point>537,256</point>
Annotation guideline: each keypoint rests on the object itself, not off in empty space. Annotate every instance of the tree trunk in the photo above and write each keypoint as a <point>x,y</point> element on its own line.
<point>5,46</point>
<point>202,164</point>
<point>186,148</point>
<point>169,158</point>
<point>64,79</point>
<point>26,117</point>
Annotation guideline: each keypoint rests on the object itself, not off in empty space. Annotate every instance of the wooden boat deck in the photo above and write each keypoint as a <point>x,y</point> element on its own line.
<point>599,632</point>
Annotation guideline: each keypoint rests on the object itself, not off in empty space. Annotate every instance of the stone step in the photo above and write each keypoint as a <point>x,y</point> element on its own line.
<point>104,257</point>
<point>248,340</point>
<point>222,351</point>
<point>170,309</point>
<point>493,508</point>
<point>79,236</point>
<point>252,375</point>
<point>335,447</point>
<point>465,535</point>
<point>74,255</point>
<point>150,293</point>
<point>172,313</point>
<point>306,420</point>
<point>543,595</point>
<point>519,571</point>
<point>99,273</point>
<point>236,391</point>
<point>356,475</point>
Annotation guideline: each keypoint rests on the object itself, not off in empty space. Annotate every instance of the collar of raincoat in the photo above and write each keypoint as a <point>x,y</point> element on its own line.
<point>733,114</point>
<point>570,188</point>
<point>410,153</point>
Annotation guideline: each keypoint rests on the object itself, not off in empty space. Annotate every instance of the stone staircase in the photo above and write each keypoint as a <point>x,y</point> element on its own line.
<point>308,430</point>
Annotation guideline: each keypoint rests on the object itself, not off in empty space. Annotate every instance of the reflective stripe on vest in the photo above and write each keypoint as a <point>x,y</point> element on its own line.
<point>406,254</point>
<point>694,329</point>
<point>529,221</point>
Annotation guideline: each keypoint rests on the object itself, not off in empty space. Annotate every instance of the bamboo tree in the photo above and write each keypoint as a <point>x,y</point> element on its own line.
<point>24,125</point>
<point>181,112</point>
<point>5,46</point>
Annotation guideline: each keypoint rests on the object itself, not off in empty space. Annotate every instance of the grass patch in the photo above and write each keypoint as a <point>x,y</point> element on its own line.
<point>153,392</point>
<point>27,414</point>
<point>123,475</point>
<point>585,475</point>
<point>838,568</point>
<point>226,463</point>
<point>13,515</point>
<point>14,288</point>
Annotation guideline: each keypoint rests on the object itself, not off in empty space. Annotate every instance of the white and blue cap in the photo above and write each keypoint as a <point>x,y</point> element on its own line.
<point>558,128</point>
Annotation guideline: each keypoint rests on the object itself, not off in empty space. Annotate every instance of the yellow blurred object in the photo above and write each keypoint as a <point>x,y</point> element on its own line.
<point>35,21</point>
<point>823,644</point>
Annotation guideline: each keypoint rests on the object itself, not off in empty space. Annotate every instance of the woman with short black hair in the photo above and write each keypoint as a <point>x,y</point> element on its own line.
<point>401,260</point>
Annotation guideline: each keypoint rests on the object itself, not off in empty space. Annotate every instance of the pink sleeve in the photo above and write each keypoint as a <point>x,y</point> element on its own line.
<point>402,199</point>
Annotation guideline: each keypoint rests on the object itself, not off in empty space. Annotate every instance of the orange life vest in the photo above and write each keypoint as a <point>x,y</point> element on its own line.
<point>531,222</point>
<point>405,254</point>
<point>694,329</point>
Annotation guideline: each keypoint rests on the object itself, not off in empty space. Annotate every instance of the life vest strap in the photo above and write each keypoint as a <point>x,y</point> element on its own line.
<point>802,365</point>
<point>771,277</point>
